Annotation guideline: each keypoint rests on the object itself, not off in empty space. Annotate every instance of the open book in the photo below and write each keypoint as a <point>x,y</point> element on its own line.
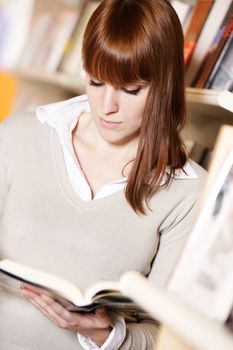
<point>102,293</point>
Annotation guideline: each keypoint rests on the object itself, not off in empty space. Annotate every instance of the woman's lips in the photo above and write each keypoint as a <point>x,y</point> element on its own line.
<point>109,123</point>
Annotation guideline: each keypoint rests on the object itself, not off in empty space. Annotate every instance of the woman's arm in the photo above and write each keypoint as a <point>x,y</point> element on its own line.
<point>174,233</point>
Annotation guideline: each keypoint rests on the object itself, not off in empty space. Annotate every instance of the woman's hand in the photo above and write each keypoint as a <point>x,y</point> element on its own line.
<point>96,326</point>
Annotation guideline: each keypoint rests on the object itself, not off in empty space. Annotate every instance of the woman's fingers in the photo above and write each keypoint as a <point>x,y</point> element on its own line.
<point>50,308</point>
<point>34,289</point>
<point>78,322</point>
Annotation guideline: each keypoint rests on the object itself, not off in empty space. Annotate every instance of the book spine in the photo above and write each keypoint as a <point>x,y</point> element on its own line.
<point>221,77</point>
<point>69,45</point>
<point>70,49</point>
<point>215,49</point>
<point>211,26</point>
<point>67,22</point>
<point>183,11</point>
<point>14,27</point>
<point>73,61</point>
<point>8,88</point>
<point>200,14</point>
<point>45,46</point>
<point>35,42</point>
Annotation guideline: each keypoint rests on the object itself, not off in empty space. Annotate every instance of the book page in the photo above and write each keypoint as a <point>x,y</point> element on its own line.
<point>14,285</point>
<point>107,297</point>
<point>13,274</point>
<point>10,284</point>
<point>103,293</point>
<point>204,275</point>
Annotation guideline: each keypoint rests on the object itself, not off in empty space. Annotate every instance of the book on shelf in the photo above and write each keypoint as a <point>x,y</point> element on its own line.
<point>72,60</point>
<point>198,152</point>
<point>211,26</point>
<point>45,46</point>
<point>203,276</point>
<point>222,36</point>
<point>39,30</point>
<point>71,40</point>
<point>51,48</point>
<point>206,158</point>
<point>14,275</point>
<point>199,16</point>
<point>65,25</point>
<point>15,21</point>
<point>183,10</point>
<point>49,36</point>
<point>8,88</point>
<point>221,78</point>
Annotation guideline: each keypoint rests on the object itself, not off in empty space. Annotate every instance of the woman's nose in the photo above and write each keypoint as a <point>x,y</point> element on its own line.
<point>110,102</point>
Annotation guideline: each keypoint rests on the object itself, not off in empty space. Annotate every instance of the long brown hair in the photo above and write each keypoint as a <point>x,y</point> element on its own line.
<point>127,41</point>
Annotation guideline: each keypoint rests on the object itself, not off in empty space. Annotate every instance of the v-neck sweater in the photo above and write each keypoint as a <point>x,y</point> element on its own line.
<point>46,225</point>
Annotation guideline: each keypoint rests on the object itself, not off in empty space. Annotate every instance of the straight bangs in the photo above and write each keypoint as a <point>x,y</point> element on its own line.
<point>114,49</point>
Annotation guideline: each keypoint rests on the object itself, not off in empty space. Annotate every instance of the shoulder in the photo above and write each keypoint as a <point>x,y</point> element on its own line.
<point>181,193</point>
<point>22,133</point>
<point>21,126</point>
<point>196,183</point>
<point>188,188</point>
<point>19,121</point>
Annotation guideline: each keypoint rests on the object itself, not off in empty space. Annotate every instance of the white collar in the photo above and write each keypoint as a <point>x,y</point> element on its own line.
<point>64,114</point>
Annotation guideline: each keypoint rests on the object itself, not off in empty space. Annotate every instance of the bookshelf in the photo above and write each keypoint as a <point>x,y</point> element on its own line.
<point>204,110</point>
<point>59,80</point>
<point>207,110</point>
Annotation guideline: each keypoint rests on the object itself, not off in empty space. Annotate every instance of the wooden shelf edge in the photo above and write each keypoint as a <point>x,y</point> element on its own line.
<point>61,80</point>
<point>223,99</point>
<point>207,99</point>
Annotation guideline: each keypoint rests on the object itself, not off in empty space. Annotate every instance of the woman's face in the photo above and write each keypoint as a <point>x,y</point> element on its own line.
<point>116,112</point>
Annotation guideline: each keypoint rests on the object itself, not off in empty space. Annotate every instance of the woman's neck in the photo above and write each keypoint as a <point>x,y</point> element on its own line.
<point>88,134</point>
<point>101,162</point>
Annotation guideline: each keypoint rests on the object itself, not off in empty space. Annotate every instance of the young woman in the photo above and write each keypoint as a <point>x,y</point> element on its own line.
<point>100,184</point>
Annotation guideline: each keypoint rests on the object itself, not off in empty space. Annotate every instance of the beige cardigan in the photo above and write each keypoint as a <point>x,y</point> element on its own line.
<point>43,223</point>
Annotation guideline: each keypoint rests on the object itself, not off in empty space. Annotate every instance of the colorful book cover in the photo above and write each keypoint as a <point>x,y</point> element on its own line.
<point>200,14</point>
<point>215,50</point>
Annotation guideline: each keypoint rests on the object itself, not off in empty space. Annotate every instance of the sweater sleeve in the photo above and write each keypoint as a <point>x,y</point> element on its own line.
<point>3,183</point>
<point>173,234</point>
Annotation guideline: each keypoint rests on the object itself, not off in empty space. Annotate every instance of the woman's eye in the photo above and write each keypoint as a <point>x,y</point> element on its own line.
<point>132,92</point>
<point>95,83</point>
